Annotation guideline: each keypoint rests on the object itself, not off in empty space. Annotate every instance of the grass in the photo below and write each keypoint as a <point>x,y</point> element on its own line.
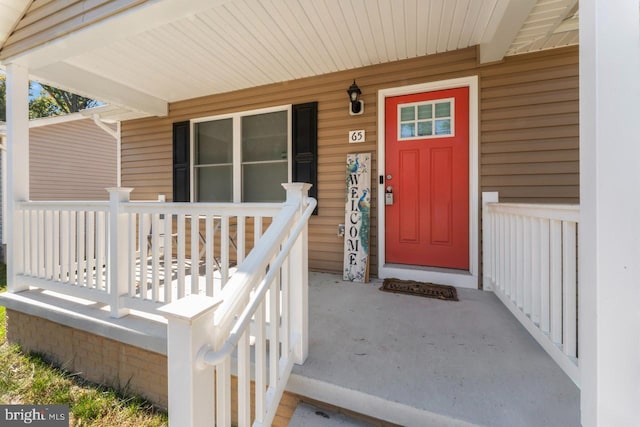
<point>3,287</point>
<point>30,379</point>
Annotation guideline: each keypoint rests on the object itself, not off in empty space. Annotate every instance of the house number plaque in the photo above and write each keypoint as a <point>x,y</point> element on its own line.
<point>356,136</point>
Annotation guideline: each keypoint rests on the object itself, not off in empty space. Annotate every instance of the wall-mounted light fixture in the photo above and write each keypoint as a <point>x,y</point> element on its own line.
<point>356,107</point>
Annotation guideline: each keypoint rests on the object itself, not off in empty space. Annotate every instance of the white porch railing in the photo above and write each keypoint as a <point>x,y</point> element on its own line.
<point>530,262</point>
<point>174,259</point>
<point>264,301</point>
<point>178,249</point>
<point>64,247</point>
<point>134,255</point>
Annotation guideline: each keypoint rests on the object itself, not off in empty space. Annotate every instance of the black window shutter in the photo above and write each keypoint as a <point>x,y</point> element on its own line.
<point>181,190</point>
<point>305,146</point>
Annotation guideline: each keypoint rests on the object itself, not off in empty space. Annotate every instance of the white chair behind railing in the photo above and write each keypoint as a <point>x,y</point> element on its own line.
<point>154,234</point>
<point>187,248</point>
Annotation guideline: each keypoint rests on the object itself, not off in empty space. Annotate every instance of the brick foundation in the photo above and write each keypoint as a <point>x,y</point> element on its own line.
<point>95,358</point>
<point>105,361</point>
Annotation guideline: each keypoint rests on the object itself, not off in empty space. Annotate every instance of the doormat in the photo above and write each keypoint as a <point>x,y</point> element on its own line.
<point>429,290</point>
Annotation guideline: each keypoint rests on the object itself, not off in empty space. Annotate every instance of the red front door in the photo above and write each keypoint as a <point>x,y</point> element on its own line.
<point>427,168</point>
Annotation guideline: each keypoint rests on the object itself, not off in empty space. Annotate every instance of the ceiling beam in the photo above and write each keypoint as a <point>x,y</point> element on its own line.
<point>85,83</point>
<point>506,22</point>
<point>146,16</point>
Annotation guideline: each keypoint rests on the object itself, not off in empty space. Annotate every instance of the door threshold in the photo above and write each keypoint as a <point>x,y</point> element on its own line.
<point>438,275</point>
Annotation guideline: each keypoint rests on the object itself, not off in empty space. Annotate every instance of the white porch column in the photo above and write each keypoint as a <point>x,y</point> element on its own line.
<point>17,166</point>
<point>3,140</point>
<point>299,277</point>
<point>118,154</point>
<point>609,239</point>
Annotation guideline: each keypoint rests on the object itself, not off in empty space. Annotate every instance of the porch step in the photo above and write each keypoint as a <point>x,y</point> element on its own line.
<point>307,415</point>
<point>380,411</point>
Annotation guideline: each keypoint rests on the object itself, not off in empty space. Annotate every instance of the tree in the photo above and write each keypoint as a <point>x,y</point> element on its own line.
<point>46,101</point>
<point>68,102</point>
<point>43,106</point>
<point>3,99</point>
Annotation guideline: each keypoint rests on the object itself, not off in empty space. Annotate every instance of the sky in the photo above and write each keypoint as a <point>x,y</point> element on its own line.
<point>34,90</point>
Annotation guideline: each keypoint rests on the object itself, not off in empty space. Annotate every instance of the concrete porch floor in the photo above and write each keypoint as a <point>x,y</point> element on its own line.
<point>404,359</point>
<point>420,362</point>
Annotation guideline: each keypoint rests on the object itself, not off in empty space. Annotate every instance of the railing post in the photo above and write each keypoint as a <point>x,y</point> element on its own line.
<point>488,240</point>
<point>299,277</point>
<point>191,385</point>
<point>117,260</point>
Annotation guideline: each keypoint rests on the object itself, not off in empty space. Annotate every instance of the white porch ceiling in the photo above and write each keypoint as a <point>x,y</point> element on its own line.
<point>251,43</point>
<point>222,46</point>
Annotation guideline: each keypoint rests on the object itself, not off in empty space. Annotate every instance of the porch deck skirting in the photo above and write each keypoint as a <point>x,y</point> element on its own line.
<point>107,361</point>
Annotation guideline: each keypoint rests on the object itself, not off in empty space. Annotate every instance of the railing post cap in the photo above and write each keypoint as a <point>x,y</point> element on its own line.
<point>297,186</point>
<point>119,194</point>
<point>490,197</point>
<point>119,189</point>
<point>296,191</point>
<point>190,307</point>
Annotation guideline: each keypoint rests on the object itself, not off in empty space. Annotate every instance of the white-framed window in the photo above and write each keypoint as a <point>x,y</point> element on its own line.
<point>241,157</point>
<point>426,119</point>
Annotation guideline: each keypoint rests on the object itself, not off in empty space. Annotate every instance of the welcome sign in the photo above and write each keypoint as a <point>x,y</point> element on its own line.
<point>357,217</point>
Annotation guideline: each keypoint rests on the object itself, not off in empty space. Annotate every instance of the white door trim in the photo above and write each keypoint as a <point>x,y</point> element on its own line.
<point>465,279</point>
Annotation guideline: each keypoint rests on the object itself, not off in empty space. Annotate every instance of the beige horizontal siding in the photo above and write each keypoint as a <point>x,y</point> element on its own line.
<point>528,132</point>
<point>47,20</point>
<point>71,161</point>
<point>529,128</point>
